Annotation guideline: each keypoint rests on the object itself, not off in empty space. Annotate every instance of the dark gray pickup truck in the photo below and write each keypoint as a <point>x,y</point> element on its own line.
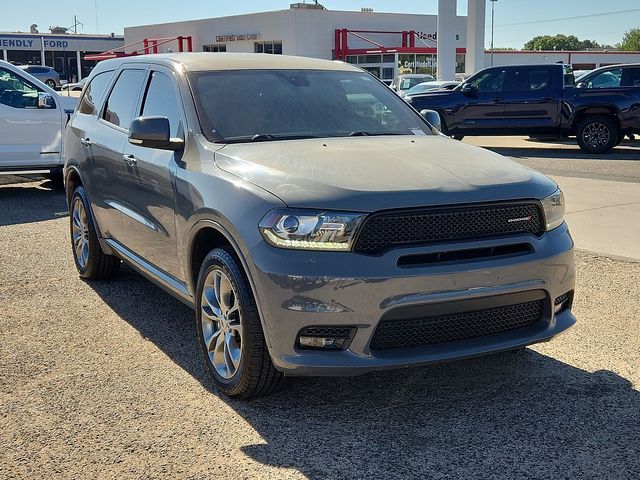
<point>542,100</point>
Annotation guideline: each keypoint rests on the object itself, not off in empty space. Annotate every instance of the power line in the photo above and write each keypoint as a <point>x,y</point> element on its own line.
<point>617,12</point>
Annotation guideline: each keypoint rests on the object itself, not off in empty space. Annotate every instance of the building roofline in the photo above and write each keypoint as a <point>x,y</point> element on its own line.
<point>76,36</point>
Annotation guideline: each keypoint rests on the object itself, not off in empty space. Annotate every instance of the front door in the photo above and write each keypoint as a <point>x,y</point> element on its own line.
<point>483,108</point>
<point>30,136</point>
<point>148,187</point>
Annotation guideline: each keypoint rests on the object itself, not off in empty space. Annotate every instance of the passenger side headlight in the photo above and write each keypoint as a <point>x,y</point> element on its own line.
<point>553,206</point>
<point>310,230</point>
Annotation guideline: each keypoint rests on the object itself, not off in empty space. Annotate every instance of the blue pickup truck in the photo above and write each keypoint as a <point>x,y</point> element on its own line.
<point>599,110</point>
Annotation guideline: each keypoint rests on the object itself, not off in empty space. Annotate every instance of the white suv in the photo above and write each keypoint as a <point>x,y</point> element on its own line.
<point>32,119</point>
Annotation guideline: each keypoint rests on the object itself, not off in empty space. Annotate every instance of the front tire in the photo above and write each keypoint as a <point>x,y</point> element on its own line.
<point>51,83</point>
<point>597,134</point>
<point>91,261</point>
<point>229,330</point>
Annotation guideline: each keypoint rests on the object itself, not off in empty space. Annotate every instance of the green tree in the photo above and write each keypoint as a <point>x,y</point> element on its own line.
<point>631,40</point>
<point>559,42</point>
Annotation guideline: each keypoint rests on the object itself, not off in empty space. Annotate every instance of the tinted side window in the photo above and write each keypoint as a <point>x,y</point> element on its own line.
<point>606,79</point>
<point>17,92</point>
<point>161,99</point>
<point>529,79</point>
<point>123,98</point>
<point>492,81</point>
<point>630,77</point>
<point>94,92</point>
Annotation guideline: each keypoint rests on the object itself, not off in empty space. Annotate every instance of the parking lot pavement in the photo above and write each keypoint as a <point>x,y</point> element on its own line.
<point>103,380</point>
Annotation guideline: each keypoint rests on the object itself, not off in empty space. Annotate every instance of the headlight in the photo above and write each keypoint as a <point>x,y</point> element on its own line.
<point>310,230</point>
<point>553,206</point>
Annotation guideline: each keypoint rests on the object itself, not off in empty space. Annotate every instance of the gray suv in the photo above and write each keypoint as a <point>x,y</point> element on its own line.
<point>43,73</point>
<point>315,222</point>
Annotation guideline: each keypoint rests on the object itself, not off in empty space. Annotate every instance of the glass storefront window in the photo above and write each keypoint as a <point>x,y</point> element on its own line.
<point>387,73</point>
<point>460,63</point>
<point>389,58</point>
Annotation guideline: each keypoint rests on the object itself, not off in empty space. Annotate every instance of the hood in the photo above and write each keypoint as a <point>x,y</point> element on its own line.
<point>374,173</point>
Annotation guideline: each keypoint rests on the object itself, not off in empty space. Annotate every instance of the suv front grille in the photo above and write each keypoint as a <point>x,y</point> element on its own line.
<point>419,332</point>
<point>430,225</point>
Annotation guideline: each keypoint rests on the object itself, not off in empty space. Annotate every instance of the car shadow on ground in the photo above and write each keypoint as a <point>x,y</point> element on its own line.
<point>510,415</point>
<point>547,150</point>
<point>32,202</point>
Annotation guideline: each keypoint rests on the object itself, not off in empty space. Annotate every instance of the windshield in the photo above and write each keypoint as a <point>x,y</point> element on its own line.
<point>264,105</point>
<point>423,87</point>
<point>410,82</point>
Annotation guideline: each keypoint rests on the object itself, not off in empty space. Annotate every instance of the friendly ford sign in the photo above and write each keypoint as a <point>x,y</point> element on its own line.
<point>36,42</point>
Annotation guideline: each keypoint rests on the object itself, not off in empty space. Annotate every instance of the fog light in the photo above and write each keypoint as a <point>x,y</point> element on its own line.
<point>326,338</point>
<point>563,302</point>
<point>322,342</point>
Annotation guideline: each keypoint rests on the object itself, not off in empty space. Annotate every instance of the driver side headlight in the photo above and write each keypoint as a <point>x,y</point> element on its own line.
<point>310,230</point>
<point>553,206</point>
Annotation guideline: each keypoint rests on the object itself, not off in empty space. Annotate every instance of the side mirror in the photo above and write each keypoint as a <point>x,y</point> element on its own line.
<point>45,100</point>
<point>153,132</point>
<point>468,89</point>
<point>433,118</point>
<point>581,85</point>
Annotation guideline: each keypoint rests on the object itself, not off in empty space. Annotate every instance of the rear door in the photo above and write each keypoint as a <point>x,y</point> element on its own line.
<point>148,185</point>
<point>533,98</point>
<point>484,109</point>
<point>104,142</point>
<point>29,136</point>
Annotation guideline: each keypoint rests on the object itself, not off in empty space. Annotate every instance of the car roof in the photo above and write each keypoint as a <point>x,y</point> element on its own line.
<point>413,75</point>
<point>207,61</point>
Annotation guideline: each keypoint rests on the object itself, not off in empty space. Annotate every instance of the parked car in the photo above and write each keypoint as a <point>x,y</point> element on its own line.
<point>311,235</point>
<point>402,83</point>
<point>43,73</point>
<point>617,76</point>
<point>542,100</point>
<point>74,87</point>
<point>32,119</point>
<point>428,86</point>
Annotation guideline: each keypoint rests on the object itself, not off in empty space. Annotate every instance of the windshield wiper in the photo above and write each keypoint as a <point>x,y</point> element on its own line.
<point>364,133</point>
<point>261,137</point>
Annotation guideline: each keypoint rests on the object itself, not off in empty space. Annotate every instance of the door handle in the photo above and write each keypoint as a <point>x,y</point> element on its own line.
<point>497,99</point>
<point>130,159</point>
<point>86,142</point>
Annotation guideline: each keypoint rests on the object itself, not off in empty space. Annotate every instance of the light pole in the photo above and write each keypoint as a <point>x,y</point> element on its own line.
<point>493,3</point>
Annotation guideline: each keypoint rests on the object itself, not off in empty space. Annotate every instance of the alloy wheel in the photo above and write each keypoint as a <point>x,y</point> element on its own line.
<point>80,232</point>
<point>221,323</point>
<point>596,135</point>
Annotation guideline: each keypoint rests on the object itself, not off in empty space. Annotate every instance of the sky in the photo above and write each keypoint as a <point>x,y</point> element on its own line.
<point>516,21</point>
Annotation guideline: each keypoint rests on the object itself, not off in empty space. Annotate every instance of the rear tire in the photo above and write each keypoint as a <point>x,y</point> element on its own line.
<point>597,134</point>
<point>229,330</point>
<point>91,261</point>
<point>51,83</point>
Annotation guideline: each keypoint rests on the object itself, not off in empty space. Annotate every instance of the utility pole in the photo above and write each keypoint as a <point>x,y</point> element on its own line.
<point>493,3</point>
<point>74,27</point>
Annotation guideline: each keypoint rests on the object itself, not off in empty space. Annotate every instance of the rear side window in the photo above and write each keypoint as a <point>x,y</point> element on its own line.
<point>161,100</point>
<point>123,98</point>
<point>94,92</point>
<point>529,79</point>
<point>630,77</point>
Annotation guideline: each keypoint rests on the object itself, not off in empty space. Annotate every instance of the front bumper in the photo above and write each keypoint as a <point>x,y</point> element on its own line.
<point>297,289</point>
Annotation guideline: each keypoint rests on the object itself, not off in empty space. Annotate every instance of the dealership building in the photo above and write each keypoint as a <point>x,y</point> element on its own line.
<point>385,44</point>
<point>64,52</point>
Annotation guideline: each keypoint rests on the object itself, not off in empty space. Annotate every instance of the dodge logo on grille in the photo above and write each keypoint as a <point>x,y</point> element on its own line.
<point>520,219</point>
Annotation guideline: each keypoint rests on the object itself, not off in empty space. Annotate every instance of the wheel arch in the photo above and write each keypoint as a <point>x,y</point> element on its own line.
<point>206,235</point>
<point>602,110</point>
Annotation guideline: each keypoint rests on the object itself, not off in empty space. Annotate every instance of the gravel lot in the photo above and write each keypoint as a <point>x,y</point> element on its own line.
<point>103,380</point>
